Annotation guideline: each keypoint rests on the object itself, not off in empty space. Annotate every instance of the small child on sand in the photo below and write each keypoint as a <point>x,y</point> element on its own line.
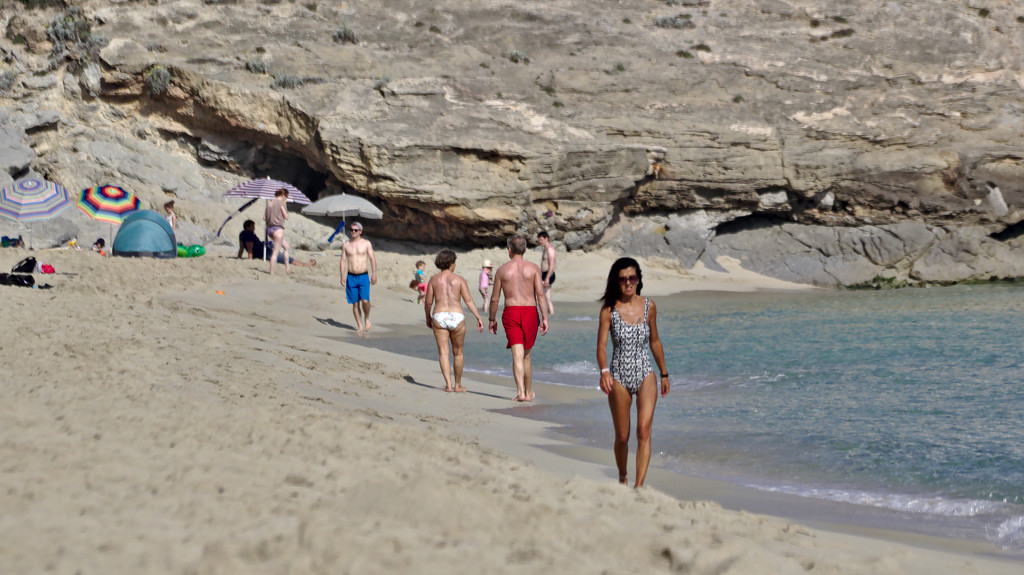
<point>419,281</point>
<point>172,219</point>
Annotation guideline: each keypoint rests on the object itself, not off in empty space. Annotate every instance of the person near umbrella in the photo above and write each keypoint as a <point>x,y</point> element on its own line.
<point>447,292</point>
<point>251,246</point>
<point>275,216</point>
<point>172,219</point>
<point>631,322</point>
<point>358,273</point>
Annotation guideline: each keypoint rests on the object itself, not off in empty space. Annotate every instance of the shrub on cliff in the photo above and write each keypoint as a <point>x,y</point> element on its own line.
<point>7,78</point>
<point>43,3</point>
<point>292,81</point>
<point>158,80</point>
<point>678,21</point>
<point>518,57</point>
<point>343,34</point>
<point>72,38</point>
<point>257,66</point>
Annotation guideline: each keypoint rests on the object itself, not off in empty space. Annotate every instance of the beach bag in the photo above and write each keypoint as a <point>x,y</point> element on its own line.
<point>23,280</point>
<point>47,269</point>
<point>25,266</point>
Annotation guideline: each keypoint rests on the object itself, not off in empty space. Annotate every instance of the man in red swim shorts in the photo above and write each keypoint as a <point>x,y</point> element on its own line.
<point>520,281</point>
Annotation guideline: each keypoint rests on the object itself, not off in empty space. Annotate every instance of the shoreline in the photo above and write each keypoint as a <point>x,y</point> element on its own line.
<point>839,518</point>
<point>203,416</point>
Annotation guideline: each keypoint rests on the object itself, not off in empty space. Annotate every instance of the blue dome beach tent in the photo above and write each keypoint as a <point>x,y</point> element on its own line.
<point>145,234</point>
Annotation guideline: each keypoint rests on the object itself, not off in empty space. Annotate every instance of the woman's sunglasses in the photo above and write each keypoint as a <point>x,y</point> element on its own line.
<point>632,280</point>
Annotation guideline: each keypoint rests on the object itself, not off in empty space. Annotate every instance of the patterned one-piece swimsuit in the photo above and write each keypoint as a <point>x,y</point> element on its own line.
<point>631,361</point>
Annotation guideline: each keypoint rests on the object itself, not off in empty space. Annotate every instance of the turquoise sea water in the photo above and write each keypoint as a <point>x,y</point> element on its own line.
<point>909,400</point>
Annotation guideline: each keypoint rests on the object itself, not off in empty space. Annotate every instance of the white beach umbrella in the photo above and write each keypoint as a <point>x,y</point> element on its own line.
<point>343,206</point>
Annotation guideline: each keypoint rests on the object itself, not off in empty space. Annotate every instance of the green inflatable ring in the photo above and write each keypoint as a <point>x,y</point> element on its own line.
<point>191,251</point>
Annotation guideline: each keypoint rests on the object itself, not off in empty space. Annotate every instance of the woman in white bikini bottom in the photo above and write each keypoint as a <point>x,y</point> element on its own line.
<point>448,320</point>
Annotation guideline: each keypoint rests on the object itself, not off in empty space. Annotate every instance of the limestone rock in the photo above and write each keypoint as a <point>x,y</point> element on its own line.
<point>823,141</point>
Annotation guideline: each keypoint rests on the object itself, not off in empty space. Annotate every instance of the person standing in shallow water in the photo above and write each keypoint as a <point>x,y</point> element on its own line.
<point>520,281</point>
<point>547,269</point>
<point>631,321</point>
<point>447,292</point>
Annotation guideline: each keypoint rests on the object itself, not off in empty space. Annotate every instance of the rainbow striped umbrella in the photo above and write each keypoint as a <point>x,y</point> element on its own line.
<point>109,204</point>
<point>33,199</point>
<point>265,188</point>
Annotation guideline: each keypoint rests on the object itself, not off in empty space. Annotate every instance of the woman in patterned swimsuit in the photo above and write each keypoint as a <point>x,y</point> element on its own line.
<point>631,322</point>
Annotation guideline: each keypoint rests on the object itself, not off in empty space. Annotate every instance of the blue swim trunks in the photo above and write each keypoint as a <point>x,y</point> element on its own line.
<point>357,287</point>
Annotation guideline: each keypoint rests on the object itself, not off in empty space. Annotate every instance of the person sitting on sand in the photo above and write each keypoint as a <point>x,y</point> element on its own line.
<point>252,246</point>
<point>99,245</point>
<point>443,305</point>
<point>631,322</point>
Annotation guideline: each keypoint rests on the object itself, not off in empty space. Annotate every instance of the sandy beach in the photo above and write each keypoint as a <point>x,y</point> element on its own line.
<point>201,416</point>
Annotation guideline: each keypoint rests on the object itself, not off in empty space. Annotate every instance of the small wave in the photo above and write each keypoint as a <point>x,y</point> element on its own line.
<point>693,384</point>
<point>1011,533</point>
<point>576,368</point>
<point>898,502</point>
<point>581,318</point>
<point>767,377</point>
<point>497,372</point>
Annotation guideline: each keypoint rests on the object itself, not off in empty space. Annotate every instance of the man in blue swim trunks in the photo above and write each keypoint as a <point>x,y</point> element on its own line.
<point>358,273</point>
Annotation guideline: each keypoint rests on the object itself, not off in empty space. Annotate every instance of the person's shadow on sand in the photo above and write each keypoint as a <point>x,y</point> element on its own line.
<point>413,381</point>
<point>332,323</point>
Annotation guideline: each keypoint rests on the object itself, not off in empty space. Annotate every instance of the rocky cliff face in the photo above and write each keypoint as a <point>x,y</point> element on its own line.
<point>830,142</point>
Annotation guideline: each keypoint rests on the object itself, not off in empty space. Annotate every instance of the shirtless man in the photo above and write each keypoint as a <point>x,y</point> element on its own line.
<point>520,281</point>
<point>358,262</point>
<point>547,268</point>
<point>446,293</point>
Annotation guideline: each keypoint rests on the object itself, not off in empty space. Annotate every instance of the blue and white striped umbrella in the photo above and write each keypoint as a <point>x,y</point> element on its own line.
<point>33,199</point>
<point>265,188</point>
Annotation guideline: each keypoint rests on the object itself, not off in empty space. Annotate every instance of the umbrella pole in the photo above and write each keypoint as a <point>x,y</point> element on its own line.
<point>336,230</point>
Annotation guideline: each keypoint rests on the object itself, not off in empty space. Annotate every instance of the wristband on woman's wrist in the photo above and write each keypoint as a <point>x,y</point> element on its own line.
<point>664,375</point>
<point>604,370</point>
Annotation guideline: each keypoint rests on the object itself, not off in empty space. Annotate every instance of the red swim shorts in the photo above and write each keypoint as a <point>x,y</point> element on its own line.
<point>520,323</point>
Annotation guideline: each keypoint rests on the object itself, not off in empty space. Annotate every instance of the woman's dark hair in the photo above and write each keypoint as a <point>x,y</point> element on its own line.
<point>612,289</point>
<point>445,259</point>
